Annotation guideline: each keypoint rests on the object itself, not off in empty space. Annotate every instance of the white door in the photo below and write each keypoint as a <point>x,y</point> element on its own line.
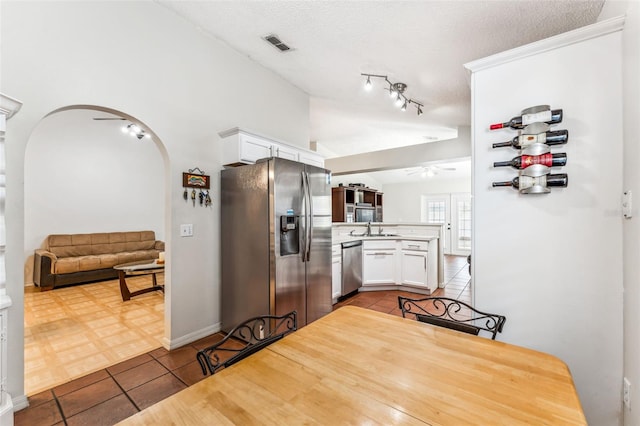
<point>461,224</point>
<point>454,211</point>
<point>436,210</point>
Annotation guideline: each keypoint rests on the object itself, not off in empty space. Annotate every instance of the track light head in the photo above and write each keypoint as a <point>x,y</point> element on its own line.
<point>368,85</point>
<point>136,131</point>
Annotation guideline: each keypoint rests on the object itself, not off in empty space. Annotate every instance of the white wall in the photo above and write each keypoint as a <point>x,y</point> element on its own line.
<point>631,229</point>
<point>553,263</point>
<point>406,156</point>
<point>141,59</point>
<point>631,176</point>
<point>402,201</point>
<point>364,178</point>
<point>83,176</point>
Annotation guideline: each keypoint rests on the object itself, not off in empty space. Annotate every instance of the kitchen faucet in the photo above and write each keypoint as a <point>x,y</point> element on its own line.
<point>368,229</point>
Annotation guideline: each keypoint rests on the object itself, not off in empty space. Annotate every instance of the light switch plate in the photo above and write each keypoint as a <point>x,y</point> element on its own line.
<point>186,230</point>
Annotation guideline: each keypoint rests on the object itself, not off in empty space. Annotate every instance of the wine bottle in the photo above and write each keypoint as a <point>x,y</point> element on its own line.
<point>524,182</point>
<point>547,116</point>
<point>524,161</point>
<point>557,137</point>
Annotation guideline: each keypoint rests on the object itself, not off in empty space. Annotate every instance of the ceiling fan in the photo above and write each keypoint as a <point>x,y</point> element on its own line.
<point>429,171</point>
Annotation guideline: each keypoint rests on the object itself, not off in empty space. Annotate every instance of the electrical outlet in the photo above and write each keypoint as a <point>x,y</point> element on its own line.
<point>186,230</point>
<point>626,392</point>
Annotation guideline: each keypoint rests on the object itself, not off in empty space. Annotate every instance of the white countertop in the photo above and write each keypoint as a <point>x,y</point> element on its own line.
<point>347,238</point>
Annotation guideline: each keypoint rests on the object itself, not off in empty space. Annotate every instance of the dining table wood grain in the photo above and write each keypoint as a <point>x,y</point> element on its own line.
<point>359,366</point>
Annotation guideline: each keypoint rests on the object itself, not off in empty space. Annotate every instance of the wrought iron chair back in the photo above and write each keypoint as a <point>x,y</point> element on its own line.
<point>453,314</point>
<point>245,339</point>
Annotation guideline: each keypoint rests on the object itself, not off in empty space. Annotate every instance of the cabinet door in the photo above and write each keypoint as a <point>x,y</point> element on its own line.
<point>336,277</point>
<point>414,268</point>
<point>312,159</point>
<point>379,267</point>
<point>286,152</point>
<point>253,149</point>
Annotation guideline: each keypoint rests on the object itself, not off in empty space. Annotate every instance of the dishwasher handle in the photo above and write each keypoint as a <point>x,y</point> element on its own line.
<point>350,244</point>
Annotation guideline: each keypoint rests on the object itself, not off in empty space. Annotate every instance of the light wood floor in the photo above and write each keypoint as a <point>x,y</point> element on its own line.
<point>72,331</point>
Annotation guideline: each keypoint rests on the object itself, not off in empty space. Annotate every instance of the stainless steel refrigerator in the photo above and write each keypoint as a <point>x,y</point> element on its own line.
<point>275,241</point>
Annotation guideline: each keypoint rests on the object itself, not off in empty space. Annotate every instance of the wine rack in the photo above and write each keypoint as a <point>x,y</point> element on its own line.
<point>534,142</point>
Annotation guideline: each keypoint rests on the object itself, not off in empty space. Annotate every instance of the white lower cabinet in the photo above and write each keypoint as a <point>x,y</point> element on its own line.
<point>408,263</point>
<point>414,268</point>
<point>336,271</point>
<point>379,262</point>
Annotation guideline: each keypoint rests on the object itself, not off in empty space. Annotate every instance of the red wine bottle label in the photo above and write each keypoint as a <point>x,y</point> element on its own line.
<point>542,116</point>
<point>529,160</point>
<point>526,140</point>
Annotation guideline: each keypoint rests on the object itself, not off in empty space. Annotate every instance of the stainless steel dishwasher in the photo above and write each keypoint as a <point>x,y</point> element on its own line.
<point>351,266</point>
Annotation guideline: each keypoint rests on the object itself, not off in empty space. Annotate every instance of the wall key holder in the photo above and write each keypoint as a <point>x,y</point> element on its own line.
<point>196,179</point>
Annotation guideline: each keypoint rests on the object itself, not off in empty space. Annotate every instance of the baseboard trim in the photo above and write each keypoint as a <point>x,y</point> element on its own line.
<point>19,402</point>
<point>191,337</point>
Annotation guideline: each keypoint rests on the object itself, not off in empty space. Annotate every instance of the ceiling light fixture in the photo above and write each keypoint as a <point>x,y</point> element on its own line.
<point>396,91</point>
<point>135,130</point>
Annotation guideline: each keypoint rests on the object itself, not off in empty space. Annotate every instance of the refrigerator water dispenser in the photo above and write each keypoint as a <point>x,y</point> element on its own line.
<point>289,235</point>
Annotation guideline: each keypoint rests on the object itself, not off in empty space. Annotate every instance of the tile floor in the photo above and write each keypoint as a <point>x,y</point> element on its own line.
<point>72,331</point>
<point>116,392</point>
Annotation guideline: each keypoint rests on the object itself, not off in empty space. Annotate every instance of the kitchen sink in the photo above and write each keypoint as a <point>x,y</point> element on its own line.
<point>385,234</point>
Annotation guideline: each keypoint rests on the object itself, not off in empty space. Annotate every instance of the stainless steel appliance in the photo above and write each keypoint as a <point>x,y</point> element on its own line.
<point>351,266</point>
<point>275,241</point>
<point>365,213</point>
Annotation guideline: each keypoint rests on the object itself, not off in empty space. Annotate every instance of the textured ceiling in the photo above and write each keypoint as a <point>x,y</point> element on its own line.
<point>423,44</point>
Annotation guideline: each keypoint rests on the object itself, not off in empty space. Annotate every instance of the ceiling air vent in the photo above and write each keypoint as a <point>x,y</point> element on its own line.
<point>276,42</point>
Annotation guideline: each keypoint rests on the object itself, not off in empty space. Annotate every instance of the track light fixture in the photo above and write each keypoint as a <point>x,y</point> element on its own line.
<point>396,92</point>
<point>135,130</point>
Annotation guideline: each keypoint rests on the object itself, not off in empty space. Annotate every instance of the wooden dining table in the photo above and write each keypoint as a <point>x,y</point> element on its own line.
<point>359,366</point>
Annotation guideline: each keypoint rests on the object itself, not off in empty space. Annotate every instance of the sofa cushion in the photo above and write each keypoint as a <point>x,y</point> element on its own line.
<point>75,245</point>
<point>108,260</point>
<point>69,265</point>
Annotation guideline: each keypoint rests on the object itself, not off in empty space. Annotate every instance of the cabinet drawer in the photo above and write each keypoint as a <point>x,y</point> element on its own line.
<point>415,245</point>
<point>379,245</point>
<point>336,250</point>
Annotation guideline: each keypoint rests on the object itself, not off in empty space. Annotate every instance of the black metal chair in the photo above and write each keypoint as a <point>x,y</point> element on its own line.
<point>453,314</point>
<point>245,339</point>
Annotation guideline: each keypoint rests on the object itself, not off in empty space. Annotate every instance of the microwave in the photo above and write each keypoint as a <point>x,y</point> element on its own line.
<point>365,214</point>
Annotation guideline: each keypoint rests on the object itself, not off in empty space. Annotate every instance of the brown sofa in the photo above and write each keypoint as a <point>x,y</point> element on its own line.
<point>80,258</point>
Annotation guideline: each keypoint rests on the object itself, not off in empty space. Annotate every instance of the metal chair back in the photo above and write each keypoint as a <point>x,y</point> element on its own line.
<point>453,314</point>
<point>245,339</point>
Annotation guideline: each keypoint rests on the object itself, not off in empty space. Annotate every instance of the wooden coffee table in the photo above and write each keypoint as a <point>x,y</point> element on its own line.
<point>143,267</point>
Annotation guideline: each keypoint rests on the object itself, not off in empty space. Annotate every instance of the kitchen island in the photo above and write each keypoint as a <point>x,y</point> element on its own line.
<point>395,256</point>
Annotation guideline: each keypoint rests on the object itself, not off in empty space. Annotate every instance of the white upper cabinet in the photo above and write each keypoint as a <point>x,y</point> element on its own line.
<point>243,147</point>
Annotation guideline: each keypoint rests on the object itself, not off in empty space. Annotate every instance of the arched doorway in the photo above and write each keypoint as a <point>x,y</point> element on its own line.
<point>83,175</point>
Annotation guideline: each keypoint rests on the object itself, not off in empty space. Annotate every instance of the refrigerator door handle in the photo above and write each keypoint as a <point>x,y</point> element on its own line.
<point>305,232</point>
<point>310,216</point>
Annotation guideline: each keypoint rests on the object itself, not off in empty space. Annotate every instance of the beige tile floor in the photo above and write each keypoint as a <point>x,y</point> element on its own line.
<point>72,331</point>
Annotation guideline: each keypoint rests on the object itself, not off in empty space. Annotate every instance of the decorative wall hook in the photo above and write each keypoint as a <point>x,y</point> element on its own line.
<point>196,179</point>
